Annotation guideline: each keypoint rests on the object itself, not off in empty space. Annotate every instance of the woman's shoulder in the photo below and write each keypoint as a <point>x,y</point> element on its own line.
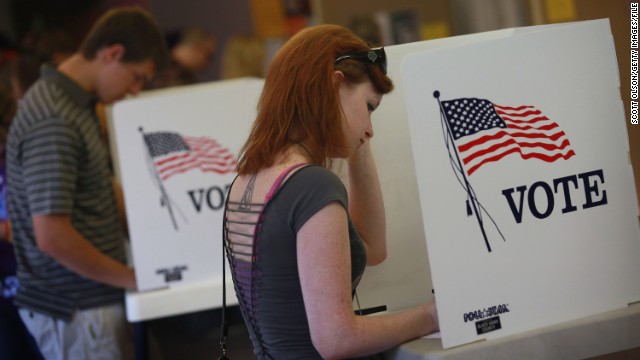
<point>307,191</point>
<point>313,181</point>
<point>316,174</point>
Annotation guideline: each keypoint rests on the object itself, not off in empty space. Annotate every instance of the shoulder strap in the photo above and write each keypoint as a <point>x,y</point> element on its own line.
<point>279,180</point>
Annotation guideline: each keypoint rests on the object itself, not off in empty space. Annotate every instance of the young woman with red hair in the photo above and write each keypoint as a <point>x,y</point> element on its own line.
<point>297,241</point>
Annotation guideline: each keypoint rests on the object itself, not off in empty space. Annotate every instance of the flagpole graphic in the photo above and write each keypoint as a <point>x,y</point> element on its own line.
<point>164,196</point>
<point>467,185</point>
<point>170,154</point>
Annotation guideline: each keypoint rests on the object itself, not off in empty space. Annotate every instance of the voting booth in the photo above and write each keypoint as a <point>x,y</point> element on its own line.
<point>504,166</point>
<point>526,189</point>
<point>176,151</point>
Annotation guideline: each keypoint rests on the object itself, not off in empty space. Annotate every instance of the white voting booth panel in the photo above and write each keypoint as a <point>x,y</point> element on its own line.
<point>525,185</point>
<point>176,151</point>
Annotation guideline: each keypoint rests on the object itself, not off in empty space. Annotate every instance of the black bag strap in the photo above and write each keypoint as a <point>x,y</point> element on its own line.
<point>224,324</point>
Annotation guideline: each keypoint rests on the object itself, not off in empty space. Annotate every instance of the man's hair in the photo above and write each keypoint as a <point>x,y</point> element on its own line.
<point>133,28</point>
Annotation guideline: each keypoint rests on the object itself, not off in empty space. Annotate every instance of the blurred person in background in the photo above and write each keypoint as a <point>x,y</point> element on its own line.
<point>191,54</point>
<point>243,55</point>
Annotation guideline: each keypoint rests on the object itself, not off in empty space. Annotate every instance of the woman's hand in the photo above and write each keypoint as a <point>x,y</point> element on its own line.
<point>432,310</point>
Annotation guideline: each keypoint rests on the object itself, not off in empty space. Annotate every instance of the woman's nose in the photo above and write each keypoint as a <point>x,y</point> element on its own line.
<point>368,134</point>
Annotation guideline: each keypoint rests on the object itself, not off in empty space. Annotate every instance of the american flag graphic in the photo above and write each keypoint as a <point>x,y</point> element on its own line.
<point>173,154</point>
<point>485,132</point>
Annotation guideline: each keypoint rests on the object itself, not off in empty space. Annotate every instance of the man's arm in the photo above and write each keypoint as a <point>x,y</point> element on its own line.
<point>56,237</point>
<point>117,190</point>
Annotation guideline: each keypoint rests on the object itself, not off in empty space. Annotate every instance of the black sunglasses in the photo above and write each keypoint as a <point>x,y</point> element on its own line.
<point>374,56</point>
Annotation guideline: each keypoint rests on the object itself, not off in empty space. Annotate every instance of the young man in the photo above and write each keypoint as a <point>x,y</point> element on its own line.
<point>63,209</point>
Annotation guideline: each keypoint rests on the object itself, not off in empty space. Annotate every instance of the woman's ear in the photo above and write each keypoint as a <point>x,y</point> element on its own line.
<point>338,75</point>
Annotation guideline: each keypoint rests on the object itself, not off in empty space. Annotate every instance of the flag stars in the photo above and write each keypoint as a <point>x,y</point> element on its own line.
<point>471,115</point>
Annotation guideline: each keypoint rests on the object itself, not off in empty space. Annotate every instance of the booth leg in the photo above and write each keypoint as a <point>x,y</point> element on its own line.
<point>141,341</point>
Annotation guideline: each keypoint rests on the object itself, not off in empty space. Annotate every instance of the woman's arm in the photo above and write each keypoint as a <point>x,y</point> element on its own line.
<point>366,205</point>
<point>324,264</point>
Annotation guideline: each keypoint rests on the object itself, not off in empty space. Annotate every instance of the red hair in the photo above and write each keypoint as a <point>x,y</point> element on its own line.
<point>300,101</point>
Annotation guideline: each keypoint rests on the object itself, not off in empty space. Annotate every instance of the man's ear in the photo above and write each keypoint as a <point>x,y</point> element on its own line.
<point>112,53</point>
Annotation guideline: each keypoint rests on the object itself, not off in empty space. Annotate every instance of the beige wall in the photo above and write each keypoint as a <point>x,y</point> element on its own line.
<point>340,12</point>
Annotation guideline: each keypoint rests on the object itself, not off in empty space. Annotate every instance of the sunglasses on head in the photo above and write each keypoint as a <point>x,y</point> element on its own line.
<point>373,56</point>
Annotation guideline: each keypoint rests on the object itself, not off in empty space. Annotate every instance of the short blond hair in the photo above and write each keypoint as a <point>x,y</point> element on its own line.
<point>243,55</point>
